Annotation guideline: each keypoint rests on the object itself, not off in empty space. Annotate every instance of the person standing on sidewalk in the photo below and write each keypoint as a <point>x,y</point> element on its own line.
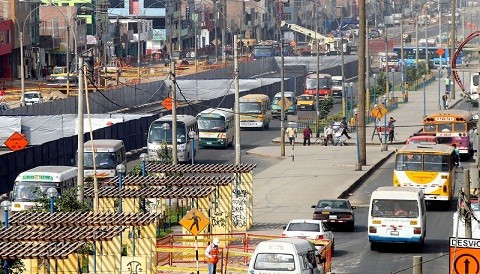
<point>447,85</point>
<point>291,133</point>
<point>391,129</point>
<point>212,256</point>
<point>307,134</point>
<point>445,101</point>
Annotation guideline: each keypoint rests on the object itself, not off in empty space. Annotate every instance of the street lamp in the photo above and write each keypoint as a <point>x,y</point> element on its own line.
<point>166,127</point>
<point>6,205</point>
<point>144,159</point>
<point>384,98</point>
<point>120,170</point>
<point>192,135</point>
<point>393,83</point>
<point>424,97</point>
<point>52,193</point>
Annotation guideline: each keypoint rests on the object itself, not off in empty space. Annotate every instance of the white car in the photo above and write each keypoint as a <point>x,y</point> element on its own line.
<point>309,229</point>
<point>32,97</point>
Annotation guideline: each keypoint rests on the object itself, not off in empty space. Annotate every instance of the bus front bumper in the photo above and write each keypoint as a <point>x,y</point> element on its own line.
<point>393,239</point>
<point>252,124</point>
<point>212,142</point>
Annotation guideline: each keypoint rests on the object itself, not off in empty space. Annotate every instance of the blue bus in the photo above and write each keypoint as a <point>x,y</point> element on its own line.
<point>409,55</point>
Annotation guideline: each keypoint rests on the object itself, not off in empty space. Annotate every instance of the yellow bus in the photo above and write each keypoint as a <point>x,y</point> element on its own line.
<point>430,167</point>
<point>255,111</point>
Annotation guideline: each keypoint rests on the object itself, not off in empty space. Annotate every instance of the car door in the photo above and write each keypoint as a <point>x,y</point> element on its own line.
<point>327,231</point>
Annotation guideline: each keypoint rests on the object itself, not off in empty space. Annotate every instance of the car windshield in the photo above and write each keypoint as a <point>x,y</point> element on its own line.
<point>30,191</point>
<point>311,227</point>
<point>31,95</point>
<point>274,261</point>
<point>327,204</point>
<point>103,160</point>
<point>211,124</point>
<point>337,83</point>
<point>250,107</point>
<point>323,83</point>
<point>305,98</point>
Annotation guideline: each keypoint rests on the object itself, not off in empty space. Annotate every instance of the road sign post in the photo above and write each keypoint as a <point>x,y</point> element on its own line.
<point>16,141</point>
<point>194,221</point>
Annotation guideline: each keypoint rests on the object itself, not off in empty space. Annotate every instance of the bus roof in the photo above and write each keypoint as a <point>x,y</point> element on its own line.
<point>225,112</point>
<point>112,144</point>
<point>252,97</point>
<point>180,118</point>
<point>451,112</point>
<point>423,148</point>
<point>394,193</point>
<point>320,75</point>
<point>57,173</point>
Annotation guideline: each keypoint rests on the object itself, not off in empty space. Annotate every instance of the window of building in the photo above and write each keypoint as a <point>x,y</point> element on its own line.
<point>153,4</point>
<point>116,4</point>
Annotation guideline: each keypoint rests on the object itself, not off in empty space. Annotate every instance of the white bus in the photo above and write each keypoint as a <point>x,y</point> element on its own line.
<point>474,83</point>
<point>158,137</point>
<point>216,127</point>
<point>29,184</point>
<point>108,154</point>
<point>397,215</point>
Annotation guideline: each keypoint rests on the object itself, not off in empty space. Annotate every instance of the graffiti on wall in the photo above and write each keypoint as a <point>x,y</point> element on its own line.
<point>239,207</point>
<point>219,219</point>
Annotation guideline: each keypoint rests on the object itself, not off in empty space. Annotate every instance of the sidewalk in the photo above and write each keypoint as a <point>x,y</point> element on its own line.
<point>286,190</point>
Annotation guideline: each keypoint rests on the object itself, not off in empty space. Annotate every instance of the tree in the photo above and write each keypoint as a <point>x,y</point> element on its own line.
<point>67,202</point>
<point>14,266</point>
<point>325,106</point>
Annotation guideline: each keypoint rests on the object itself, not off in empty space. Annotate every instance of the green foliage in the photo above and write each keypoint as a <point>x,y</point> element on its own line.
<point>136,170</point>
<point>163,232</point>
<point>164,154</point>
<point>67,202</point>
<point>325,106</point>
<point>14,267</point>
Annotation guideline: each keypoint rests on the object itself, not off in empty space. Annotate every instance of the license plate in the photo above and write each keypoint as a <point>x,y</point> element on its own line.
<point>394,233</point>
<point>332,217</point>
<point>209,143</point>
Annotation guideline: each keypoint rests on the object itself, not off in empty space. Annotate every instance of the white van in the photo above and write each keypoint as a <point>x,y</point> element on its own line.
<point>285,255</point>
<point>397,215</point>
<point>108,154</point>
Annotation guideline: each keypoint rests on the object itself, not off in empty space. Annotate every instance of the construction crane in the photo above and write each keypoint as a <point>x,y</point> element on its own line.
<point>327,43</point>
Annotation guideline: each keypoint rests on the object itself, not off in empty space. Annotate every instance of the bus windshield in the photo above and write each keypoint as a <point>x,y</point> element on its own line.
<point>263,51</point>
<point>103,160</point>
<point>158,135</point>
<point>211,124</point>
<point>415,162</point>
<point>383,208</point>
<point>250,107</point>
<point>31,191</point>
<point>322,83</point>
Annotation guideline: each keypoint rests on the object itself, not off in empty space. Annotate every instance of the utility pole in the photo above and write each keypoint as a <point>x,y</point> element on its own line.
<point>139,26</point>
<point>174,112</point>
<point>68,58</point>
<point>317,46</point>
<point>361,84</point>
<point>367,69</point>
<point>402,69</point>
<point>224,28</point>
<point>426,48</point>
<point>387,84</point>
<point>80,140</point>
<point>344,92</point>
<point>416,42</point>
<point>452,45</point>
<point>282,91</point>
<point>466,202</point>
<point>236,108</point>
<point>440,38</point>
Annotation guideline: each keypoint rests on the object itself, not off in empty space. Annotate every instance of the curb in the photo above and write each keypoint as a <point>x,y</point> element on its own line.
<point>267,156</point>
<point>362,178</point>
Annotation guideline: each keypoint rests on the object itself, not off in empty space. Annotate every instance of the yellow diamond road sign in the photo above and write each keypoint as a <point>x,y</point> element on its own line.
<point>286,105</point>
<point>194,221</point>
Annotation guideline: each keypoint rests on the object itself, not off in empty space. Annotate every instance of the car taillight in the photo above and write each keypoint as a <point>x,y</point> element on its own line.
<point>344,216</point>
<point>320,217</point>
<point>417,230</point>
<point>372,229</point>
<point>319,237</point>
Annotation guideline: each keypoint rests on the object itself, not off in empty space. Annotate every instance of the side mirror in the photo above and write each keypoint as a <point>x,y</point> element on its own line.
<point>313,206</point>
<point>284,227</point>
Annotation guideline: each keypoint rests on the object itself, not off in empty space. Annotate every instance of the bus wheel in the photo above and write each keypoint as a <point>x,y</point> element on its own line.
<point>373,246</point>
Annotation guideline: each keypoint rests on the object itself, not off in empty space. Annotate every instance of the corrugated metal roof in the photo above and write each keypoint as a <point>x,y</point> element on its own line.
<point>58,234</point>
<point>152,192</point>
<point>38,250</point>
<point>170,181</point>
<point>203,168</point>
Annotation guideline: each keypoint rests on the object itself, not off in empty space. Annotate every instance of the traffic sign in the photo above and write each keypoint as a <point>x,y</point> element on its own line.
<point>168,103</point>
<point>440,51</point>
<point>464,256</point>
<point>285,105</point>
<point>378,111</point>
<point>16,142</point>
<point>194,221</point>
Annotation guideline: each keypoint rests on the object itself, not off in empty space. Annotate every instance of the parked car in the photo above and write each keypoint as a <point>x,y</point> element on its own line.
<point>32,97</point>
<point>309,230</point>
<point>335,212</point>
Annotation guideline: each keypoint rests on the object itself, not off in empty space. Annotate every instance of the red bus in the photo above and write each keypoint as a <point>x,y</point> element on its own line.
<point>324,82</point>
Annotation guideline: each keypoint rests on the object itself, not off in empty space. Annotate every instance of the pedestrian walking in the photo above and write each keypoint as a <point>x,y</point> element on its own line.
<point>307,134</point>
<point>447,85</point>
<point>391,129</point>
<point>44,73</point>
<point>33,74</point>
<point>2,94</point>
<point>212,255</point>
<point>456,155</point>
<point>445,101</point>
<point>344,126</point>
<point>291,133</point>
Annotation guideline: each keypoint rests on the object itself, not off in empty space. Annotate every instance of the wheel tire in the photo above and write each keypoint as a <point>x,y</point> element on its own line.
<point>373,246</point>
<point>351,227</point>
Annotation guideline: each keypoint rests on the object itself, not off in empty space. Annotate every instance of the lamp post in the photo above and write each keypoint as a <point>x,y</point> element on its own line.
<point>359,164</point>
<point>393,83</point>
<point>384,98</point>
<point>120,170</point>
<point>439,78</point>
<point>6,205</point>
<point>52,193</point>
<point>191,135</point>
<point>166,127</point>
<point>144,159</point>
<point>424,98</point>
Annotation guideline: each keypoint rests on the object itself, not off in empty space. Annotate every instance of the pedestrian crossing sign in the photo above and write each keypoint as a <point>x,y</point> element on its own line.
<point>194,221</point>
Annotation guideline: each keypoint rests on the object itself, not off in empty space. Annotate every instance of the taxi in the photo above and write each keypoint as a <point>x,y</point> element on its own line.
<point>306,102</point>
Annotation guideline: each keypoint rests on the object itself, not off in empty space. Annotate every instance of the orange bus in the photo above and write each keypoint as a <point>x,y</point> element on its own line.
<point>324,82</point>
<point>452,126</point>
